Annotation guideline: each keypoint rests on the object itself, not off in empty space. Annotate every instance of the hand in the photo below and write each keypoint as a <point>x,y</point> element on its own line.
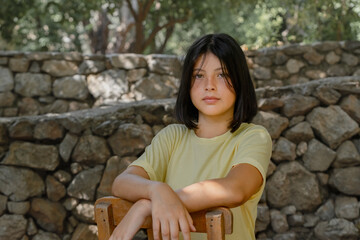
<point>169,215</point>
<point>132,221</point>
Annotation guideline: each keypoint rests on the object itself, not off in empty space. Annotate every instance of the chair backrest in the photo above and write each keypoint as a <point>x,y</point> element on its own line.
<point>109,211</point>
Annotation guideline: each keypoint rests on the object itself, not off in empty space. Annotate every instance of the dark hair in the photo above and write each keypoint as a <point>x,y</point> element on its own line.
<point>233,61</point>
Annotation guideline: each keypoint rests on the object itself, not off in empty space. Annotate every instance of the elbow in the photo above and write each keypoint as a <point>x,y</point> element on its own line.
<point>236,199</point>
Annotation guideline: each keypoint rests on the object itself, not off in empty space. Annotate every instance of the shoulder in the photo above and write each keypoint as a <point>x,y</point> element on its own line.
<point>173,130</point>
<point>250,131</point>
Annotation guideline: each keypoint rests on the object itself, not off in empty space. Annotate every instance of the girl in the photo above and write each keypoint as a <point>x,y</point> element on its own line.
<point>216,157</point>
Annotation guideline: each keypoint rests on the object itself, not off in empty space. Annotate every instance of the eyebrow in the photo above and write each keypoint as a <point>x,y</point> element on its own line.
<point>199,69</point>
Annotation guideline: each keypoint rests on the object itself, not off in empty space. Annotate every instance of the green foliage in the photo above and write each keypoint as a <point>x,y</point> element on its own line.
<point>169,26</point>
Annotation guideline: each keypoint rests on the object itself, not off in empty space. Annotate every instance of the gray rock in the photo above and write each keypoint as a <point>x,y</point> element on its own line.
<point>128,61</point>
<point>293,184</point>
<point>313,57</point>
<point>278,221</point>
<point>110,84</point>
<point>326,46</point>
<point>63,176</point>
<point>155,87</point>
<point>301,132</point>
<point>295,105</point>
<point>294,66</point>
<point>164,64</point>
<point>130,139</point>
<point>336,229</point>
<point>332,124</point>
<point>346,180</point>
<point>54,189</point>
<point>6,80</point>
<point>273,122</point>
<point>84,231</point>
<point>281,73</point>
<point>28,107</point>
<point>262,73</point>
<point>74,87</point>
<point>284,150</point>
<point>338,70</point>
<point>318,156</point>
<point>310,220</point>
<point>48,215</point>
<point>349,59</point>
<point>263,217</point>
<point>50,130</point>
<point>31,227</point>
<point>7,99</point>
<point>3,204</point>
<point>114,166</point>
<point>19,208</point>
<point>266,104</point>
<point>296,220</point>
<point>280,58</point>
<point>332,58</point>
<point>346,207</point>
<point>32,155</point>
<point>32,84</point>
<point>21,130</point>
<point>91,66</point>
<point>326,211</point>
<point>351,105</point>
<point>315,74</point>
<point>20,184</point>
<point>12,226</point>
<point>327,95</point>
<point>134,75</point>
<point>91,150</point>
<point>84,212</point>
<point>19,64</point>
<point>84,184</point>
<point>46,236</point>
<point>67,145</point>
<point>59,68</point>
<point>346,155</point>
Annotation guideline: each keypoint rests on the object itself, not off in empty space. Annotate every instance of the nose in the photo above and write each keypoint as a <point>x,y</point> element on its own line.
<point>210,84</point>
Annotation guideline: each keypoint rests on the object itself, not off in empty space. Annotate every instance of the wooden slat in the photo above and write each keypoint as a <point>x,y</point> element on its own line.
<point>215,225</point>
<point>106,206</point>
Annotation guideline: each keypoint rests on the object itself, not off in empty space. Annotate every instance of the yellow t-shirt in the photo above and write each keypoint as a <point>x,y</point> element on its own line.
<point>178,157</point>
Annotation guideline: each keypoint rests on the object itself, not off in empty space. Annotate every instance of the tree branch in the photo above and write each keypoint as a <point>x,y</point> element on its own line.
<point>132,10</point>
<point>157,29</point>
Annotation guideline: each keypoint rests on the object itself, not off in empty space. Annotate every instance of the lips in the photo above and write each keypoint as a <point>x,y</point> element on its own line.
<point>210,99</point>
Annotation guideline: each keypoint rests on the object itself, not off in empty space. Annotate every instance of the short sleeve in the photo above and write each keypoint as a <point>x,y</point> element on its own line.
<point>157,155</point>
<point>254,148</point>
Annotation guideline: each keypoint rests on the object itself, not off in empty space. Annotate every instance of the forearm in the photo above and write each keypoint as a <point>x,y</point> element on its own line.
<point>210,193</point>
<point>235,189</point>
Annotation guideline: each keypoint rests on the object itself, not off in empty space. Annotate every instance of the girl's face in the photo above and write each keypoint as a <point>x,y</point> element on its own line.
<point>210,92</point>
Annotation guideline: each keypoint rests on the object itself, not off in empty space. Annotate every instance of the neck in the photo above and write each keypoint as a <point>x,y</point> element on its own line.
<point>210,129</point>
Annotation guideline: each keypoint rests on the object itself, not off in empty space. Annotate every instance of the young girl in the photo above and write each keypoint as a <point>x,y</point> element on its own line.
<point>215,157</point>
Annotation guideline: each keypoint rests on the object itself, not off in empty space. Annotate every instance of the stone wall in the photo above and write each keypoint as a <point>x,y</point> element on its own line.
<point>53,167</point>
<point>39,83</point>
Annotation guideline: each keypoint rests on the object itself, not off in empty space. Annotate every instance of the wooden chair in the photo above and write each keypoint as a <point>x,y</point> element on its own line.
<point>109,211</point>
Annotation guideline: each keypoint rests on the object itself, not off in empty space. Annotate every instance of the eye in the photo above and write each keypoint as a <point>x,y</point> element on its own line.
<point>198,76</point>
<point>221,75</point>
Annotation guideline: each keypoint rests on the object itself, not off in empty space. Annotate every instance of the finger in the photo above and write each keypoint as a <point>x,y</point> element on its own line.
<point>191,223</point>
<point>156,229</point>
<point>184,227</point>
<point>174,230</point>
<point>165,231</point>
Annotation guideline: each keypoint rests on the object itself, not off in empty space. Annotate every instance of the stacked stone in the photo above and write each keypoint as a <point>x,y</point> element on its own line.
<point>299,63</point>
<point>54,167</point>
<point>40,83</point>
